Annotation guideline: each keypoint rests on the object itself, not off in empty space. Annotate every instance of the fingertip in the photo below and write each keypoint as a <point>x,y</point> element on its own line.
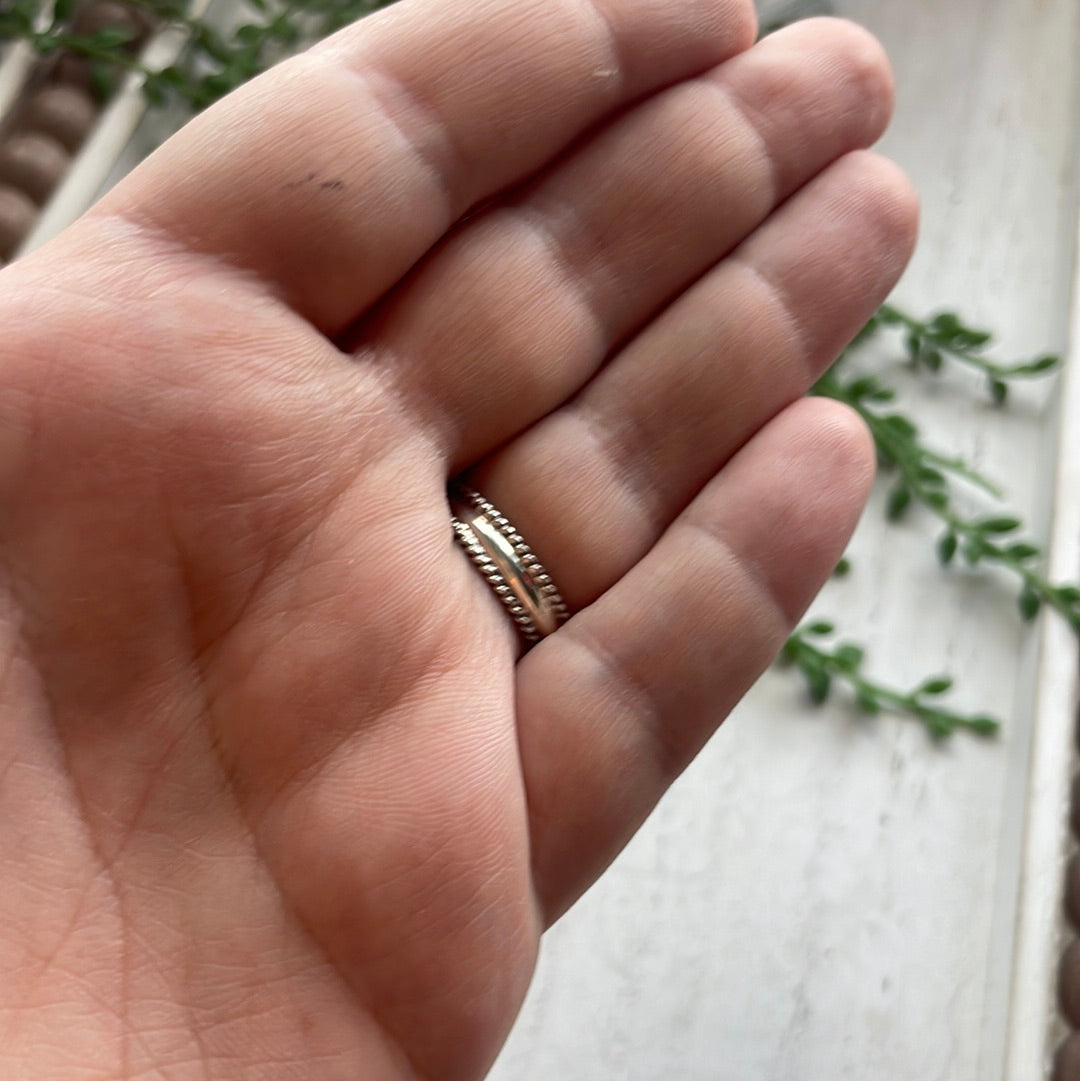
<point>742,15</point>
<point>875,192</point>
<point>854,57</point>
<point>844,449</point>
<point>810,470</point>
<point>896,202</point>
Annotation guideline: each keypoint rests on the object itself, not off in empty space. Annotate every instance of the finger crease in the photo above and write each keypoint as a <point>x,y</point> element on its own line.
<point>635,697</point>
<point>585,279</point>
<point>783,310</point>
<point>423,130</point>
<point>750,569</point>
<point>621,439</point>
<point>746,116</point>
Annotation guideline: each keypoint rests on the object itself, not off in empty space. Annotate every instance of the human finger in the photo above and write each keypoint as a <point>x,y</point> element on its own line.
<point>613,706</point>
<point>332,174</point>
<point>595,483</point>
<point>523,304</point>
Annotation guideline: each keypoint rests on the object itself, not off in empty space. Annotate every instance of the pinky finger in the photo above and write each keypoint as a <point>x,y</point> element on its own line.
<point>616,704</point>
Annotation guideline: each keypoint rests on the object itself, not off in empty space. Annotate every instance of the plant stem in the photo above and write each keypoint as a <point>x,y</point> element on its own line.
<point>822,666</point>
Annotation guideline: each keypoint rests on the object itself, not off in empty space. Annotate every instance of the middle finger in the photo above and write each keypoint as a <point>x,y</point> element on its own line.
<point>523,304</point>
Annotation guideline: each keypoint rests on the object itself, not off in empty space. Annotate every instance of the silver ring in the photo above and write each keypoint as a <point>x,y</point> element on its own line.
<point>507,564</point>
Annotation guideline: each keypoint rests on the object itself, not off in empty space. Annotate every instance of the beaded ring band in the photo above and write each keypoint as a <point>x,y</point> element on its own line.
<point>507,564</point>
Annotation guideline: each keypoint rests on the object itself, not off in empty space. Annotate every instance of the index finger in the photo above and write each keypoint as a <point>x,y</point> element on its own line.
<point>332,174</point>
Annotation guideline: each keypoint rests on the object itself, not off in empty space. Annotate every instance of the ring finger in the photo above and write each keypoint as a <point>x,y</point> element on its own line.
<point>525,302</point>
<point>594,484</point>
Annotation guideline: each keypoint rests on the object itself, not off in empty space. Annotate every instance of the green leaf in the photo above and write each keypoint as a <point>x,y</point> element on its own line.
<point>1022,551</point>
<point>929,475</point>
<point>937,500</point>
<point>211,43</point>
<point>973,339</point>
<point>974,550</point>
<point>154,91</point>
<point>998,525</point>
<point>16,23</point>
<point>950,329</point>
<point>64,11</point>
<point>248,34</point>
<point>866,701</point>
<point>945,324</point>
<point>820,628</point>
<point>882,394</point>
<point>899,501</point>
<point>843,568</point>
<point>983,726</point>
<point>111,37</point>
<point>103,79</point>
<point>939,724</point>
<point>217,85</point>
<point>900,425</point>
<point>283,29</point>
<point>848,657</point>
<point>1069,594</point>
<point>863,386</point>
<point>936,685</point>
<point>172,76</point>
<point>931,358</point>
<point>819,683</point>
<point>1038,366</point>
<point>1029,604</point>
<point>947,547</point>
<point>999,391</point>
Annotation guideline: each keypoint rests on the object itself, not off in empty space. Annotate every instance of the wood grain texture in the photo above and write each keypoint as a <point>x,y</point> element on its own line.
<point>822,897</point>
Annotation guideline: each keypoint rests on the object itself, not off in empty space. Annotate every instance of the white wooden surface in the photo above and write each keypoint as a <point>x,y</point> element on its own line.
<point>823,897</point>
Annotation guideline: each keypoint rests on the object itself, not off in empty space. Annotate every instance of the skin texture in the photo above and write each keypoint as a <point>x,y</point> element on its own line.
<point>280,797</point>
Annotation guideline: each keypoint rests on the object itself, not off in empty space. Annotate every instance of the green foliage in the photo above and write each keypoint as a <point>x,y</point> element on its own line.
<point>943,337</point>
<point>213,64</point>
<point>925,476</point>
<point>824,666</point>
<point>17,18</point>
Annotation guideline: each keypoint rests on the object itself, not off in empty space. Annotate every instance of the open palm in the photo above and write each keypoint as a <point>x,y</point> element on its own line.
<point>280,797</point>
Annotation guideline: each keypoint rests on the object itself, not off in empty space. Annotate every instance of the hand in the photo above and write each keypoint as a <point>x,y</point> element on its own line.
<point>280,797</point>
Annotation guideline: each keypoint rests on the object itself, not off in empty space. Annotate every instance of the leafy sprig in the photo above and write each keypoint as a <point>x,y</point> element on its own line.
<point>824,666</point>
<point>945,336</point>
<point>924,476</point>
<point>214,63</point>
<point>927,477</point>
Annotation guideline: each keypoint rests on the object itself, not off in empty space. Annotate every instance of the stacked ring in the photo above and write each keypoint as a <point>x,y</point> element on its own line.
<point>507,563</point>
